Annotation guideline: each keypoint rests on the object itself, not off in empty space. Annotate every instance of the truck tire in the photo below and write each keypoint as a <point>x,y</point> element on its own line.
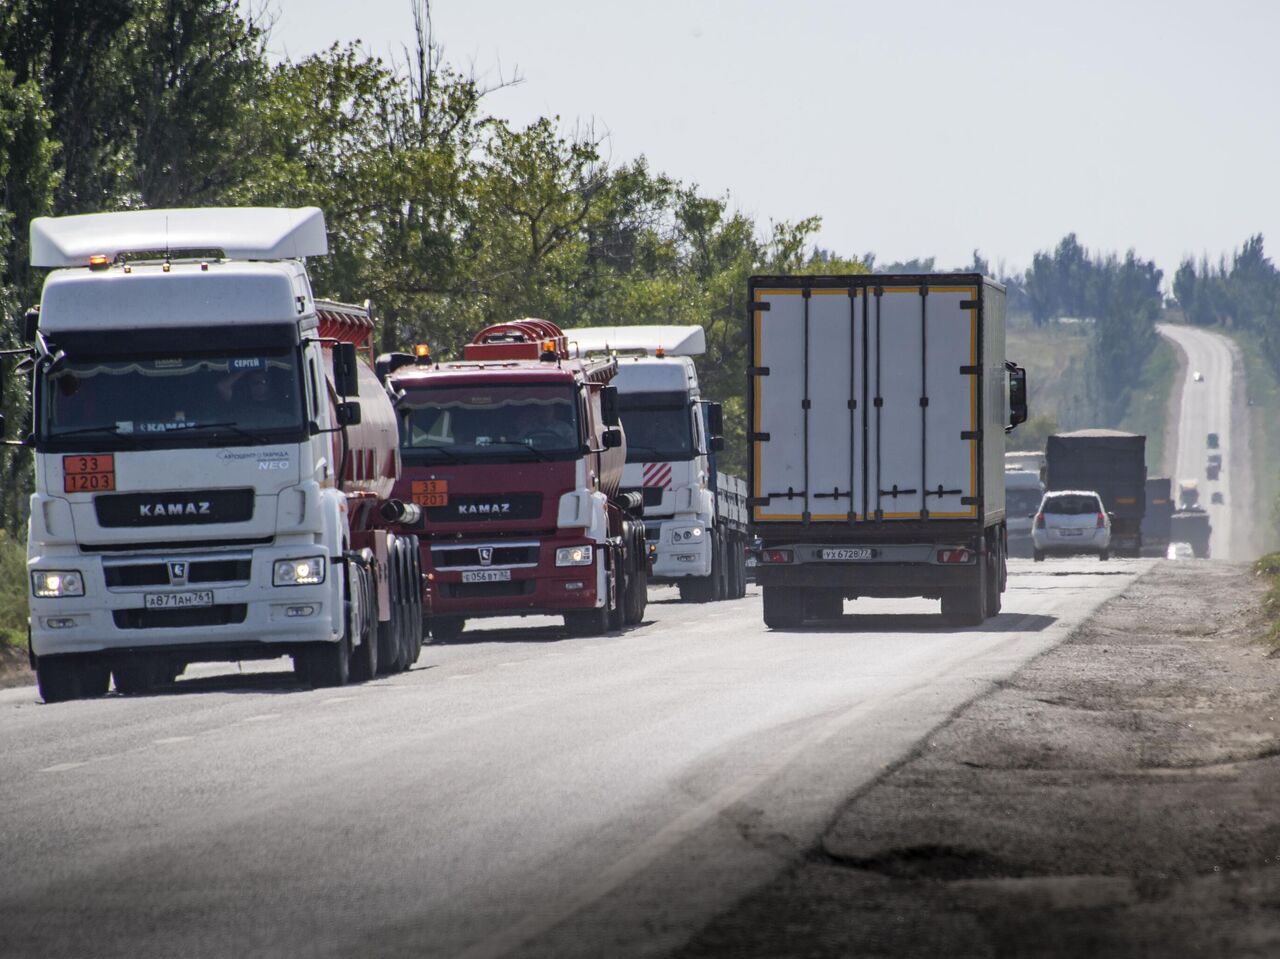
<point>993,583</point>
<point>415,627</point>
<point>63,678</point>
<point>1037,556</point>
<point>391,646</point>
<point>638,592</point>
<point>364,664</point>
<point>824,604</point>
<point>966,605</point>
<point>622,586</point>
<point>740,552</point>
<point>705,589</point>
<point>329,664</point>
<point>588,622</point>
<point>446,629</point>
<point>783,607</point>
<point>139,675</point>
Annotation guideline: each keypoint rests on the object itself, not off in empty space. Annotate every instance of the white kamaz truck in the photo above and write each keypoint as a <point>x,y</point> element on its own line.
<point>214,458</point>
<point>695,516</point>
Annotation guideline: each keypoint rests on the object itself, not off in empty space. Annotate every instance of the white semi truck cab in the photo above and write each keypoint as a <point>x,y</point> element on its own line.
<point>695,516</point>
<point>210,457</point>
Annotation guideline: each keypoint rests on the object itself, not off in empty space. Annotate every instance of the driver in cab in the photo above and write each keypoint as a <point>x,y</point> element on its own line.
<point>544,425</point>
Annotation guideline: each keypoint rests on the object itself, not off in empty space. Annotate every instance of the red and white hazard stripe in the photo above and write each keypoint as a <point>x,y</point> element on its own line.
<point>656,474</point>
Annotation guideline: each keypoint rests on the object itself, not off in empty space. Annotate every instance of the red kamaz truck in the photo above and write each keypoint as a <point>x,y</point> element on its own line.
<point>514,456</point>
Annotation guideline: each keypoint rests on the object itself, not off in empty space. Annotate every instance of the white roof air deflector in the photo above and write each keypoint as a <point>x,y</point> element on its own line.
<point>674,340</point>
<point>242,233</point>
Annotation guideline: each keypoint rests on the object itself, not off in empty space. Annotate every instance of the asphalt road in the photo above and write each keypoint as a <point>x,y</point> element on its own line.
<point>1215,405</point>
<point>516,793</point>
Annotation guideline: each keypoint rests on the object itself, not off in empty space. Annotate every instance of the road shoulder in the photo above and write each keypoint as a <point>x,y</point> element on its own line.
<point>1114,798</point>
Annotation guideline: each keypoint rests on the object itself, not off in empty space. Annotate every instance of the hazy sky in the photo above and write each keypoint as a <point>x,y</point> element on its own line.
<point>912,129</point>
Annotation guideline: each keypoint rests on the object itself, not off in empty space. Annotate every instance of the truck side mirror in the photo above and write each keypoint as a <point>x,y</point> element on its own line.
<point>30,324</point>
<point>345,375</point>
<point>611,439</point>
<point>717,444</point>
<point>349,413</point>
<point>715,419</point>
<point>1017,395</point>
<point>609,406</point>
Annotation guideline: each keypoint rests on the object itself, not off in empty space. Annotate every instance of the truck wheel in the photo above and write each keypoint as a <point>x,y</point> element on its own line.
<point>783,607</point>
<point>391,651</point>
<point>139,675</point>
<point>410,636</point>
<point>638,595</point>
<point>1104,556</point>
<point>62,678</point>
<point>622,587</point>
<point>824,604</point>
<point>993,583</point>
<point>415,627</point>
<point>365,665</point>
<point>966,605</point>
<point>329,664</point>
<point>446,629</point>
<point>741,565</point>
<point>587,622</point>
<point>1037,556</point>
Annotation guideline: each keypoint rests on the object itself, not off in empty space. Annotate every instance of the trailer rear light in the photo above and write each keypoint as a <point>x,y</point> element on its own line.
<point>1039,520</point>
<point>777,556</point>
<point>955,555</point>
<point>1102,520</point>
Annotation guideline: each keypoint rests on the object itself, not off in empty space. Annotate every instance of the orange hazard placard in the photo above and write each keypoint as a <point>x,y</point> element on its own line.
<point>88,474</point>
<point>430,492</point>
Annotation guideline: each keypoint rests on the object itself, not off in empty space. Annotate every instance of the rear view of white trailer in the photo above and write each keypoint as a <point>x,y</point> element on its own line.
<point>878,410</point>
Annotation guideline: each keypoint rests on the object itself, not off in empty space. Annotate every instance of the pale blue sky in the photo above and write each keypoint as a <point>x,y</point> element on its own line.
<point>914,129</point>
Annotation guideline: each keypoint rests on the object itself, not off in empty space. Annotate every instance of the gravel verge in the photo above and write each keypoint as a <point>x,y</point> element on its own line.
<point>1116,798</point>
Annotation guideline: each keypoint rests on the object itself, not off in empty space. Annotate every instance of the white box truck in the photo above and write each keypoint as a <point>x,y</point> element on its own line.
<point>695,515</point>
<point>878,407</point>
<point>214,460</point>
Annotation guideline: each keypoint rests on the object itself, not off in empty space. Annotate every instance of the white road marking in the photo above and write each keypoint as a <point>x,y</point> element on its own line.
<point>260,718</point>
<point>508,664</point>
<point>462,675</point>
<point>336,699</point>
<point>172,739</point>
<point>63,767</point>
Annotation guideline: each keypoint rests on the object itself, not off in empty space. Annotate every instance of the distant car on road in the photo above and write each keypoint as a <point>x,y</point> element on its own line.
<point>1216,498</point>
<point>1198,376</point>
<point>1071,522</point>
<point>1213,441</point>
<point>1181,551</point>
<point>1214,466</point>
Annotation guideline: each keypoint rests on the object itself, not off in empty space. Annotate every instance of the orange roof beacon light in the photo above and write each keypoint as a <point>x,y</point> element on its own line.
<point>422,353</point>
<point>99,261</point>
<point>659,352</point>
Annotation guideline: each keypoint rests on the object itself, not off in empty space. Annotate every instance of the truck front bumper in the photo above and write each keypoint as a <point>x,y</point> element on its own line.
<point>537,588</point>
<point>241,615</point>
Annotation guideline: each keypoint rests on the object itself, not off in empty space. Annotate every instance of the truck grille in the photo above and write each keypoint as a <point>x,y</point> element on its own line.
<point>226,615</point>
<point>525,554</point>
<point>157,574</point>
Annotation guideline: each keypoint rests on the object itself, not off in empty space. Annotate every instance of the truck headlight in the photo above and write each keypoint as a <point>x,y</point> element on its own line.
<point>55,583</point>
<point>686,534</point>
<point>298,572</point>
<point>574,556</point>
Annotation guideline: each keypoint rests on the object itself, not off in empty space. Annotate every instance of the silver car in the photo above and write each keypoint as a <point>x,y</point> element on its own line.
<point>1070,522</point>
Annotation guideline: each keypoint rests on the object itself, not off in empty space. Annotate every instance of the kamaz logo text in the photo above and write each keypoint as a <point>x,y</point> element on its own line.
<point>174,509</point>
<point>483,509</point>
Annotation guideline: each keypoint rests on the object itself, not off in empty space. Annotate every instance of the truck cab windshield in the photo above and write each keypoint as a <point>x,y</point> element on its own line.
<point>490,423</point>
<point>173,401</point>
<point>659,427</point>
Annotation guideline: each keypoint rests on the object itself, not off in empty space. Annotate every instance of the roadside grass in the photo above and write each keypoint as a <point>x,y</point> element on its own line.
<point>1269,567</point>
<point>1263,392</point>
<point>1054,356</point>
<point>13,592</point>
<point>1148,411</point>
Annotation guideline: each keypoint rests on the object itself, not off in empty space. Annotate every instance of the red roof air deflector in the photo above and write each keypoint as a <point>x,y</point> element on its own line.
<point>345,322</point>
<point>519,340</point>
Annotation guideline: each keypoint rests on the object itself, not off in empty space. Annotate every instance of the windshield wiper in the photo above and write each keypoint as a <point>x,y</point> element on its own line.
<point>112,428</point>
<point>449,454</point>
<point>191,427</point>
<point>521,446</point>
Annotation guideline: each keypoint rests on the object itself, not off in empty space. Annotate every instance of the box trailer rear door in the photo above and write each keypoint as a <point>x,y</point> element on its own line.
<point>865,400</point>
